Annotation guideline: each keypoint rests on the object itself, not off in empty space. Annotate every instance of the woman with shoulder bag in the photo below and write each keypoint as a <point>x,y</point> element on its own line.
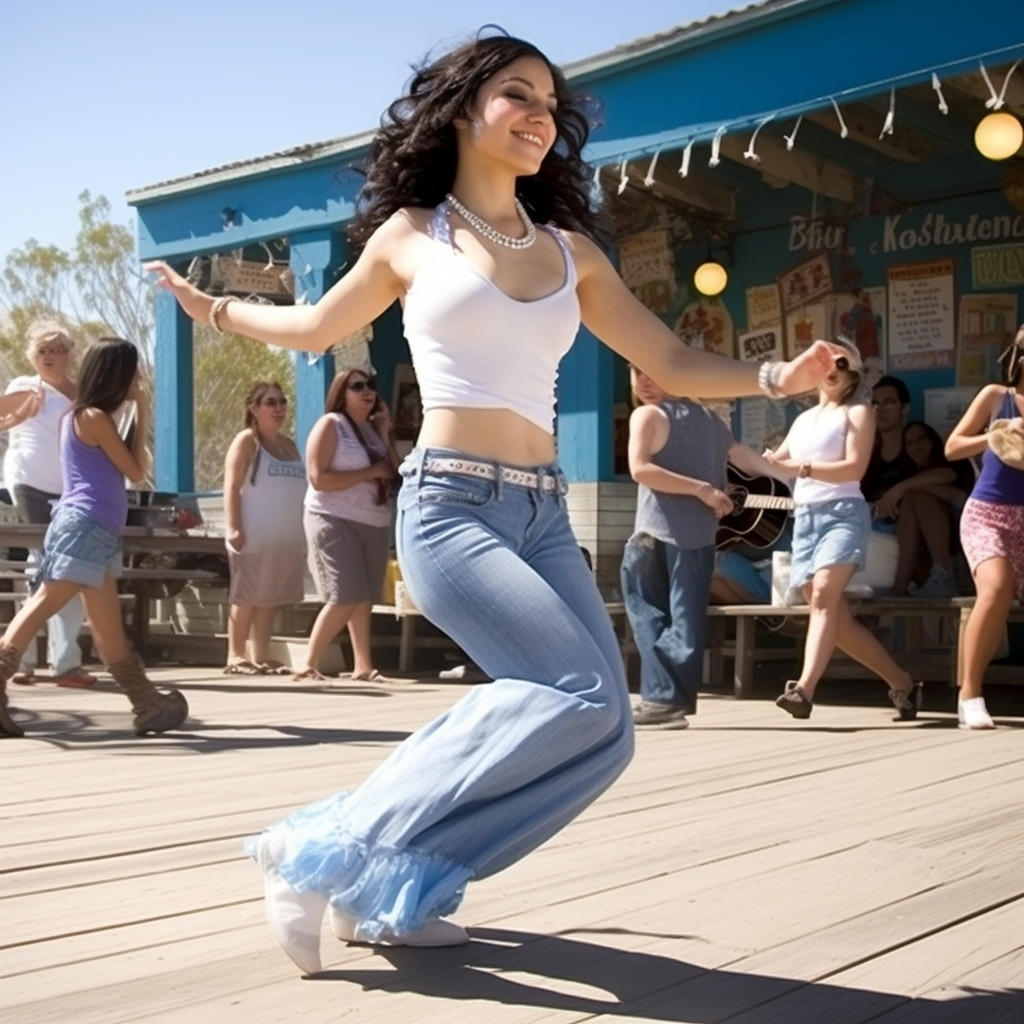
<point>351,462</point>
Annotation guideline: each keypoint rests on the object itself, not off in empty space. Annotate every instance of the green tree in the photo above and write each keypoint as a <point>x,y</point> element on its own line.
<point>98,287</point>
<point>226,367</point>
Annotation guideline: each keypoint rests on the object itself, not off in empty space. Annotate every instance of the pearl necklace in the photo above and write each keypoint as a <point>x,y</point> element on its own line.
<point>493,234</point>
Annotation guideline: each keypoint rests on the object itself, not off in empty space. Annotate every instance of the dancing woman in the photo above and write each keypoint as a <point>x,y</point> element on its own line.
<point>827,449</point>
<point>485,147</point>
<point>992,525</point>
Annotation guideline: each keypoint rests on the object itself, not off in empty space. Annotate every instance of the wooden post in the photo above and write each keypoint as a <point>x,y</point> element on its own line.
<point>314,257</point>
<point>174,398</point>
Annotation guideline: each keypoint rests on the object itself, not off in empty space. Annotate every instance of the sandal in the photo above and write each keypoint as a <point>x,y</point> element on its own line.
<point>372,676</point>
<point>273,668</point>
<point>241,668</point>
<point>308,675</point>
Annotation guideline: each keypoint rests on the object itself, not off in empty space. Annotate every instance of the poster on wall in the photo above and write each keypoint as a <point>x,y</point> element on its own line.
<point>921,319</point>
<point>757,346</point>
<point>944,407</point>
<point>805,282</point>
<point>860,316</point>
<point>987,326</point>
<point>706,324</point>
<point>763,307</point>
<point>648,268</point>
<point>804,326</point>
<point>762,423</point>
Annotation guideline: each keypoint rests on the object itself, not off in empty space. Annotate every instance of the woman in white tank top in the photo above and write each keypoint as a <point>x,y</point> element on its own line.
<point>264,483</point>
<point>487,140</point>
<point>828,448</point>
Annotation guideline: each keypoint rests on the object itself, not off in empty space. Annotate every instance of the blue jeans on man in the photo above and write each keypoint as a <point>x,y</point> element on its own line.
<point>666,592</point>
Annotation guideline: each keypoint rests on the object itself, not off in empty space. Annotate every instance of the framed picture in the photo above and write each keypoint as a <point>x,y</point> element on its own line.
<point>805,282</point>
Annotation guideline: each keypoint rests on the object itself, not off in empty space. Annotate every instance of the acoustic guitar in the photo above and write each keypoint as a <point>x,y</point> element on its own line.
<point>761,505</point>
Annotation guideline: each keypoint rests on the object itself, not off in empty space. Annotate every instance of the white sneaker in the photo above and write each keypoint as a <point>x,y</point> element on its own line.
<point>973,714</point>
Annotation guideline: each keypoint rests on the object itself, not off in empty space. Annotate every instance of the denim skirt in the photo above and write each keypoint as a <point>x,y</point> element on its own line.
<point>78,549</point>
<point>828,533</point>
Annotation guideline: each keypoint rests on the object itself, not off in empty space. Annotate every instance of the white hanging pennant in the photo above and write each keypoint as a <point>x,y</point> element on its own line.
<point>791,138</point>
<point>649,179</point>
<point>890,117</point>
<point>623,178</point>
<point>937,86</point>
<point>843,132</point>
<point>749,153</point>
<point>684,167</point>
<point>716,145</point>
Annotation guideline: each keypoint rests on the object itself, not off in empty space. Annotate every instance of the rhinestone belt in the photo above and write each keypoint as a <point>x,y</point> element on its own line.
<point>488,471</point>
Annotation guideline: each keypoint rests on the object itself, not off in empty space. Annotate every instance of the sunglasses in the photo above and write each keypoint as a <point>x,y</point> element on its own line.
<point>274,403</point>
<point>52,350</point>
<point>363,385</point>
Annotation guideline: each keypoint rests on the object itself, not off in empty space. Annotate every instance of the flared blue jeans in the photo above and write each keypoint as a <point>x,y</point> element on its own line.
<point>494,565</point>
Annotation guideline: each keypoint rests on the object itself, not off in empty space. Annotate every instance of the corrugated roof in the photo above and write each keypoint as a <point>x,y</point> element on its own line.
<point>645,46</point>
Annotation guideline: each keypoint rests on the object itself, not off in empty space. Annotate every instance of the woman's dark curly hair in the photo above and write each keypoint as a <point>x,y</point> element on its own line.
<point>413,157</point>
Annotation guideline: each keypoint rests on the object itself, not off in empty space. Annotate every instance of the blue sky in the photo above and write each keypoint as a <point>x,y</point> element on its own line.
<point>112,95</point>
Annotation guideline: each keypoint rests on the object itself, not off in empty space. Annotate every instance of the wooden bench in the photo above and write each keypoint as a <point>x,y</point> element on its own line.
<point>744,651</point>
<point>407,614</point>
<point>139,597</point>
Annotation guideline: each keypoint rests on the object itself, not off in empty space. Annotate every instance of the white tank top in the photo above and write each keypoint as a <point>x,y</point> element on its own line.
<point>358,502</point>
<point>819,435</point>
<point>272,494</point>
<point>474,347</point>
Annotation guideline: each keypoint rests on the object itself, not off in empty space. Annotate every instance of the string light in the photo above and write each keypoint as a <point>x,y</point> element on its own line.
<point>710,278</point>
<point>998,136</point>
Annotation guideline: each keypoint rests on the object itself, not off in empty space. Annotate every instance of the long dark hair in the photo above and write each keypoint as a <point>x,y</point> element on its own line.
<point>964,478</point>
<point>413,157</point>
<point>106,375</point>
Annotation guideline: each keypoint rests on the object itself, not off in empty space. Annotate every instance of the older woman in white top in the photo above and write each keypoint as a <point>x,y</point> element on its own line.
<point>31,409</point>
<point>351,463</point>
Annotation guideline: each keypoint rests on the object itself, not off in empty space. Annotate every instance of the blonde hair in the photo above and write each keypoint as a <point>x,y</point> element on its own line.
<point>43,331</point>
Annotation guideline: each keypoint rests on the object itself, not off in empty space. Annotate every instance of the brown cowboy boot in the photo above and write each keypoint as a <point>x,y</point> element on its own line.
<point>9,661</point>
<point>155,710</point>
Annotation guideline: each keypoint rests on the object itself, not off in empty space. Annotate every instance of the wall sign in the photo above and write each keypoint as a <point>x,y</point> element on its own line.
<point>921,320</point>
<point>987,326</point>
<point>998,266</point>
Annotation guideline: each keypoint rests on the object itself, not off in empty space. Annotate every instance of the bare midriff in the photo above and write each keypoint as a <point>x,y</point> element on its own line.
<point>495,434</point>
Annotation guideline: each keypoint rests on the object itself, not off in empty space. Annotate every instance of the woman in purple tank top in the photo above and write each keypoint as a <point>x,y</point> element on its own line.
<point>487,141</point>
<point>992,525</point>
<point>82,548</point>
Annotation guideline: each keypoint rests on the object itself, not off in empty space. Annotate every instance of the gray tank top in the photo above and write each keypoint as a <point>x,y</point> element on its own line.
<point>698,446</point>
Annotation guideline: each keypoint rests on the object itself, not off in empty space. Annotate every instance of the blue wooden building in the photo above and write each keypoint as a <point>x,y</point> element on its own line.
<point>820,150</point>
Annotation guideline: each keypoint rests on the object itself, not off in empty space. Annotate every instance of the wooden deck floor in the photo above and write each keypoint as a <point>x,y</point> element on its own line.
<point>750,869</point>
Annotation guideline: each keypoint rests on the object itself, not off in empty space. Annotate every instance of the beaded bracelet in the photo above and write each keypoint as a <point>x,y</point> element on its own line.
<point>216,309</point>
<point>768,379</point>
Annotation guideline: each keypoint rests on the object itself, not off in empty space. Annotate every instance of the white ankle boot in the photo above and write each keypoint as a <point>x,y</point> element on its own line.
<point>295,917</point>
<point>436,932</point>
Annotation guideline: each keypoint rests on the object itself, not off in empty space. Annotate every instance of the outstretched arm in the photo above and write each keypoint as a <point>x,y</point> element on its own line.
<point>356,300</point>
<point>611,311</point>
